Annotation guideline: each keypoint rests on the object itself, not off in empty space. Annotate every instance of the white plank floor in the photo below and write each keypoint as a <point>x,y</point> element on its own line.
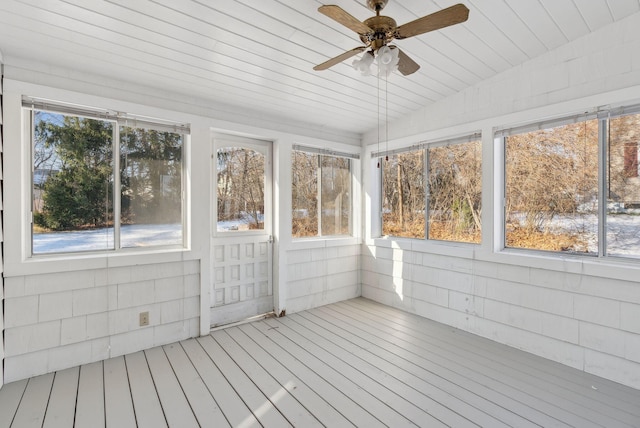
<point>354,363</point>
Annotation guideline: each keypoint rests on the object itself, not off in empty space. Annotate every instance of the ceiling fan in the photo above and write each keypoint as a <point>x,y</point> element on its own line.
<point>378,31</point>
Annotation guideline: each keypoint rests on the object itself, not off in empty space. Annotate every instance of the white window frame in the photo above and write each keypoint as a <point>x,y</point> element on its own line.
<point>603,115</point>
<point>353,157</point>
<point>377,157</point>
<point>261,146</point>
<point>30,105</point>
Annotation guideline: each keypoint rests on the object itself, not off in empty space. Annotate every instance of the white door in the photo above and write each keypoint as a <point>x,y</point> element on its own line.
<point>241,245</point>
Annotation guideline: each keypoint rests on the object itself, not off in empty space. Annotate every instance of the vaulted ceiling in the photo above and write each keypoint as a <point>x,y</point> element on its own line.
<point>258,55</point>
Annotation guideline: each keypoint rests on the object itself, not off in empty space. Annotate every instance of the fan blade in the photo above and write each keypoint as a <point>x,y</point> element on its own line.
<point>343,17</point>
<point>339,58</point>
<point>444,18</point>
<point>406,65</point>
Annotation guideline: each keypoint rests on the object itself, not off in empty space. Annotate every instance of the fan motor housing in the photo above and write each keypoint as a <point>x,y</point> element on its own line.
<point>383,28</point>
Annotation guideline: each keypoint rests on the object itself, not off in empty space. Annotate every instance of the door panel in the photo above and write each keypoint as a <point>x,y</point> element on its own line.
<point>241,246</point>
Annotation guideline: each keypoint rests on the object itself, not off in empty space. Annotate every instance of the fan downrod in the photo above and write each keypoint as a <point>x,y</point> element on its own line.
<point>377,5</point>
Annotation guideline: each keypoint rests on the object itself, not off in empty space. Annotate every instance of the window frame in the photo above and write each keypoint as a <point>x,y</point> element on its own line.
<point>603,117</point>
<point>427,157</point>
<point>382,160</point>
<point>29,108</point>
<point>542,126</point>
<point>318,152</point>
<point>380,156</point>
<point>260,146</point>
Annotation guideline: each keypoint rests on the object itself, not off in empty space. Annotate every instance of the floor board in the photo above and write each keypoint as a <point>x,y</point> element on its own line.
<point>202,403</point>
<point>175,405</point>
<point>264,410</point>
<point>118,404</point>
<point>305,394</point>
<point>90,402</point>
<point>33,405</point>
<point>335,397</point>
<point>280,396</point>
<point>344,377</point>
<point>231,404</point>
<point>353,363</point>
<point>10,397</point>
<point>143,393</point>
<point>62,404</point>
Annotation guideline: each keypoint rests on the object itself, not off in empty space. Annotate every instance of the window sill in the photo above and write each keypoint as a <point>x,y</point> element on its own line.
<point>53,263</point>
<point>322,242</point>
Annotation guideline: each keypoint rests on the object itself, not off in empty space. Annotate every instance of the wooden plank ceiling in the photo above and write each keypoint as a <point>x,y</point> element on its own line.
<point>257,55</point>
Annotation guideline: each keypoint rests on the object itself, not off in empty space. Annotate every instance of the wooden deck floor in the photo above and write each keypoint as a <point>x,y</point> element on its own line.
<point>355,363</point>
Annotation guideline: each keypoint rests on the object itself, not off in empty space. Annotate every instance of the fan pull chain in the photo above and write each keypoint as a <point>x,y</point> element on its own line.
<point>378,106</point>
<point>386,113</point>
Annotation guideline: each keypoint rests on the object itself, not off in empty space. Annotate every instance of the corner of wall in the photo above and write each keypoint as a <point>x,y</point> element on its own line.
<point>1,239</point>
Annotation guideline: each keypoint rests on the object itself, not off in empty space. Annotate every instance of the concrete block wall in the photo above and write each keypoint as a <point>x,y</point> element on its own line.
<point>59,320</point>
<point>589,321</point>
<point>580,311</point>
<point>321,272</point>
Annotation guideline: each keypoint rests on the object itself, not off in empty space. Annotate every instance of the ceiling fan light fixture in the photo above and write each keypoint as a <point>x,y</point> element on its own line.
<point>385,56</point>
<point>387,60</point>
<point>363,65</point>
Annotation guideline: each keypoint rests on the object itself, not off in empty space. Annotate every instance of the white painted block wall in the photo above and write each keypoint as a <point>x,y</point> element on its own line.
<point>59,320</point>
<point>589,322</point>
<point>322,272</point>
<point>583,312</point>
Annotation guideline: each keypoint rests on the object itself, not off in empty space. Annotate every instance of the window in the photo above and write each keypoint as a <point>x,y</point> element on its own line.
<point>304,194</point>
<point>150,187</point>
<point>403,195</point>
<point>552,188</point>
<point>623,187</point>
<point>455,192</point>
<point>335,196</point>
<point>240,189</point>
<point>74,159</point>
<point>321,193</point>
<point>446,197</point>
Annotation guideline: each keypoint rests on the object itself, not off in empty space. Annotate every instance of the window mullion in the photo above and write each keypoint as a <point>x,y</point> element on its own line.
<point>116,186</point>
<point>503,195</point>
<point>603,178</point>
<point>32,133</point>
<point>427,192</point>
<point>319,194</point>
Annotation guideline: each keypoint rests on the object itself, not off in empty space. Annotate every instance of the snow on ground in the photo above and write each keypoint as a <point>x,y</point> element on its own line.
<point>139,235</point>
<point>239,224</point>
<point>623,232</point>
<point>623,235</point>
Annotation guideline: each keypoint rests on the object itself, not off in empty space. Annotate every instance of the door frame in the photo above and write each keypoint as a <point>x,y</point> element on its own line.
<point>219,140</point>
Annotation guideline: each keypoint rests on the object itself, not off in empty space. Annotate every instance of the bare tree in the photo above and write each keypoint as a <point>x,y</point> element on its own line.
<point>403,195</point>
<point>455,192</point>
<point>551,174</point>
<point>240,186</point>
